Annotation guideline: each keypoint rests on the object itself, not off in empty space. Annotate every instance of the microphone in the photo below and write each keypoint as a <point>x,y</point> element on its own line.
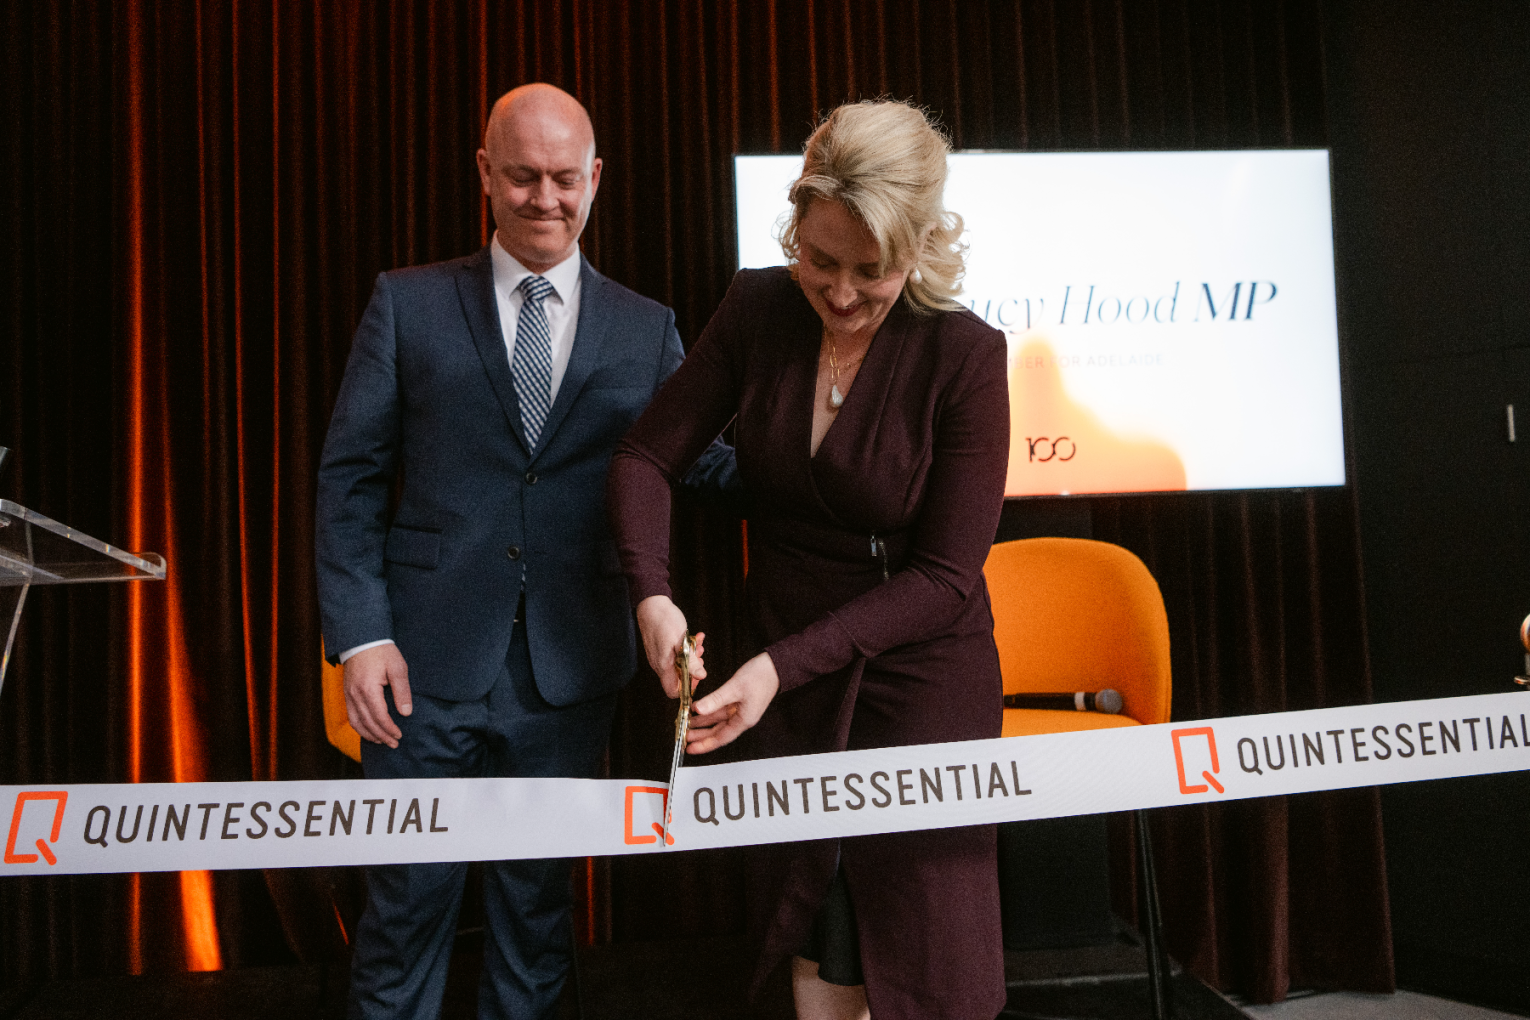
<point>1107,701</point>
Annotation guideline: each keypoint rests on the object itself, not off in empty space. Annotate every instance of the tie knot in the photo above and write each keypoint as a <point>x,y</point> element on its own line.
<point>535,288</point>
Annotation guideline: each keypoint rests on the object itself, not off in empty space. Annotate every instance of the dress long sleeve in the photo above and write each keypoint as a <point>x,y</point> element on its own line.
<point>686,415</point>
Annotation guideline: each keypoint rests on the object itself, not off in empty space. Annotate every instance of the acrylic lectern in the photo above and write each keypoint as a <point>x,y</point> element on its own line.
<point>37,550</point>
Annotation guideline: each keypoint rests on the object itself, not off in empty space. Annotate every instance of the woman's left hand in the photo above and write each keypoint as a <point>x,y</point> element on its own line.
<point>734,707</point>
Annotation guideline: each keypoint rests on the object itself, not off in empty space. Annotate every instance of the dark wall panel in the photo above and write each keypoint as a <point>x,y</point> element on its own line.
<point>1444,509</point>
<point>1430,123</point>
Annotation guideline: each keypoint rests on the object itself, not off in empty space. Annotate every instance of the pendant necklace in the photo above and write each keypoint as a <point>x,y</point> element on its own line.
<point>836,398</point>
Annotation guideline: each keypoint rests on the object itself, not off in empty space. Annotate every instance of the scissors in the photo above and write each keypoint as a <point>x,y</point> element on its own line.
<point>682,728</point>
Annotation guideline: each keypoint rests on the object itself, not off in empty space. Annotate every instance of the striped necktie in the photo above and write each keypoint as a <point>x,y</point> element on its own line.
<point>532,362</point>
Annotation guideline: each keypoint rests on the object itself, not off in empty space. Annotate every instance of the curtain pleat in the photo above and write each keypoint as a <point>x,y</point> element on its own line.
<point>200,195</point>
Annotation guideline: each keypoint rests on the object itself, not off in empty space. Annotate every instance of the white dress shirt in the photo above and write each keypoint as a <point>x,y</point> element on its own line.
<point>562,308</point>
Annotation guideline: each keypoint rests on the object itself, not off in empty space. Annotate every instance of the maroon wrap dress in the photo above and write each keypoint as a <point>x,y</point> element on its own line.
<point>866,588</point>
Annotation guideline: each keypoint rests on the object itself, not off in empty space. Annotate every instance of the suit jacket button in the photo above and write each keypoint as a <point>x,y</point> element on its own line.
<point>531,478</point>
<point>514,552</point>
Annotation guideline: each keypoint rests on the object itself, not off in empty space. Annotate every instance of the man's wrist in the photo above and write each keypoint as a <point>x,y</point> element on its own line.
<point>363,647</point>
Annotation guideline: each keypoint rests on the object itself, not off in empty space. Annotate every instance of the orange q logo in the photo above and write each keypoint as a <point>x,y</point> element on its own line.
<point>59,797</point>
<point>633,838</point>
<point>1210,775</point>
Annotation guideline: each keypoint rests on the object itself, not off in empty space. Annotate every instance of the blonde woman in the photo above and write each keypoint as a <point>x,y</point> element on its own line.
<point>873,436</point>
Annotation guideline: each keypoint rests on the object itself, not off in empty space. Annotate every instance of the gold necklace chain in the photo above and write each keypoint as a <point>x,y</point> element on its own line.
<point>836,398</point>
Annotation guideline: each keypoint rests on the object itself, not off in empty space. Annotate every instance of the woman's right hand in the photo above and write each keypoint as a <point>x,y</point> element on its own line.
<point>663,628</point>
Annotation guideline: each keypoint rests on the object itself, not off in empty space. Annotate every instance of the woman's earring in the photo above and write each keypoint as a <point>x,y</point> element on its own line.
<point>918,276</point>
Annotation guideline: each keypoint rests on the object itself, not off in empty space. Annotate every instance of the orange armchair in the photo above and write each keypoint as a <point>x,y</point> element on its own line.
<point>337,726</point>
<point>1077,615</point>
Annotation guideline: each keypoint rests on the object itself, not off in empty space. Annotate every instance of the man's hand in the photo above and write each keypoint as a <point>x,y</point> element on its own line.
<point>734,707</point>
<point>366,674</point>
<point>663,628</point>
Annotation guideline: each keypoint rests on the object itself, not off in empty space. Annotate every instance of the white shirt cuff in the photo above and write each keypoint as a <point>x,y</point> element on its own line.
<point>361,648</point>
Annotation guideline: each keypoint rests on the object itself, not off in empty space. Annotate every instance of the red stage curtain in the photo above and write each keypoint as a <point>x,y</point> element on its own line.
<point>201,194</point>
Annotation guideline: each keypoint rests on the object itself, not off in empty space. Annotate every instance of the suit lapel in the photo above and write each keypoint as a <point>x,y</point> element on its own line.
<point>589,342</point>
<point>475,288</point>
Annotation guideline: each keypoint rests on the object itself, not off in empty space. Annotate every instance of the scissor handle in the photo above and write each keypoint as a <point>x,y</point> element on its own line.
<point>683,664</point>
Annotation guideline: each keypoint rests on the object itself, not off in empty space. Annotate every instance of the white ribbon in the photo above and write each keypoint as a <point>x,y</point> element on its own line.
<point>197,826</point>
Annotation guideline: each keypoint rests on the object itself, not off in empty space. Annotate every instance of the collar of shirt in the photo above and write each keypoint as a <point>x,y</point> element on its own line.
<point>562,306</point>
<point>508,274</point>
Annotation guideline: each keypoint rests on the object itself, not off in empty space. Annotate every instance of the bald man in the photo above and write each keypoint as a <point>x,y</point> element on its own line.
<point>484,624</point>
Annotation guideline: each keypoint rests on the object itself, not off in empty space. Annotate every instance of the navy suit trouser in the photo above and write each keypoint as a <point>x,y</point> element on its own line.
<point>403,944</point>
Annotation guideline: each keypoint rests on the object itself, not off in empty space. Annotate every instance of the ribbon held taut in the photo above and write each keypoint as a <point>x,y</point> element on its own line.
<point>195,826</point>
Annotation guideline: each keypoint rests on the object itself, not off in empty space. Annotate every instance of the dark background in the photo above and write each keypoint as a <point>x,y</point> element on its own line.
<point>200,194</point>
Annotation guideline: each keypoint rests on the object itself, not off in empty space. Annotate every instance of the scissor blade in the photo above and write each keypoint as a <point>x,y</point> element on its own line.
<point>669,798</point>
<point>682,728</point>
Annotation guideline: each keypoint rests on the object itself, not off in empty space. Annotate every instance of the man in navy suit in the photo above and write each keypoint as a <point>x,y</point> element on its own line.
<point>484,624</point>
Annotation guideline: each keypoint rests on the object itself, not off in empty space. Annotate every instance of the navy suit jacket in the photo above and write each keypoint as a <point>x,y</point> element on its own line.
<point>428,404</point>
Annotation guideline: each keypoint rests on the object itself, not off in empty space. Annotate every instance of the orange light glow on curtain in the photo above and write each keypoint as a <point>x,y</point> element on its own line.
<point>161,711</point>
